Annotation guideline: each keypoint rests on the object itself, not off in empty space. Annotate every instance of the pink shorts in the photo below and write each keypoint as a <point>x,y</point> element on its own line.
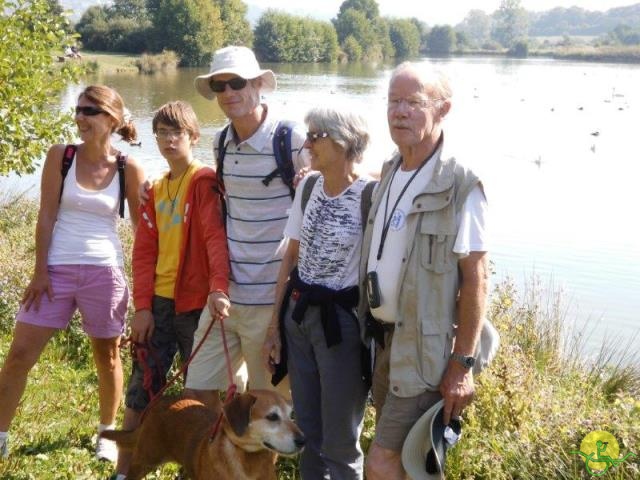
<point>99,292</point>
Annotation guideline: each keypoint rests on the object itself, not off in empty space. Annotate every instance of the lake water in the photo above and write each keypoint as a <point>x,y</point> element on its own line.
<point>554,142</point>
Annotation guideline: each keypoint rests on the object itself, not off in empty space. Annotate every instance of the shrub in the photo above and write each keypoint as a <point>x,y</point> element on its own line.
<point>352,49</point>
<point>162,62</point>
<point>540,397</point>
<point>520,49</point>
<point>491,45</point>
<point>18,217</point>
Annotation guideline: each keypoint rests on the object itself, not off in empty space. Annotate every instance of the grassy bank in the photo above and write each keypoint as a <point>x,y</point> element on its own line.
<point>109,63</point>
<point>620,54</point>
<point>534,405</point>
<point>584,53</point>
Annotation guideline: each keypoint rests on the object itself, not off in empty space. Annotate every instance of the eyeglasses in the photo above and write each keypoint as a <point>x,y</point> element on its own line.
<point>314,136</point>
<point>414,104</point>
<point>169,134</point>
<point>89,111</point>
<point>236,83</point>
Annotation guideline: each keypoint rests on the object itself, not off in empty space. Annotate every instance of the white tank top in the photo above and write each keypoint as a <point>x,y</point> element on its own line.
<point>85,232</point>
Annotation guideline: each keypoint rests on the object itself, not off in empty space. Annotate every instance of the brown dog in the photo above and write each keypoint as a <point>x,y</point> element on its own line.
<point>255,428</point>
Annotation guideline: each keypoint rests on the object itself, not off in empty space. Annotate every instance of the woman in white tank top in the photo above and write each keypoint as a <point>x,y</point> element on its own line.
<point>79,260</point>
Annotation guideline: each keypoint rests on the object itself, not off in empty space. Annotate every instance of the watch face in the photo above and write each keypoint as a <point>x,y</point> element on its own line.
<point>466,361</point>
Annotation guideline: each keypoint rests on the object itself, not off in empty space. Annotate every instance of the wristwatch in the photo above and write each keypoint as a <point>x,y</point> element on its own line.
<point>466,361</point>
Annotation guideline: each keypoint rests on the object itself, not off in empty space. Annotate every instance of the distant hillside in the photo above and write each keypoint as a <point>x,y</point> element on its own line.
<point>578,21</point>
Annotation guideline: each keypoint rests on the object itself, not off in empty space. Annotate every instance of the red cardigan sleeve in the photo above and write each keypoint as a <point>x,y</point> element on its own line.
<point>145,256</point>
<point>215,236</point>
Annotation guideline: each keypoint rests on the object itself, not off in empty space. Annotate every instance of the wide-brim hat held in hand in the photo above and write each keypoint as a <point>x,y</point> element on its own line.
<point>239,61</point>
<point>425,448</point>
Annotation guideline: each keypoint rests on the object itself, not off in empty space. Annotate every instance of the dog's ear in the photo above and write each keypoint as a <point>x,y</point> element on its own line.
<point>238,412</point>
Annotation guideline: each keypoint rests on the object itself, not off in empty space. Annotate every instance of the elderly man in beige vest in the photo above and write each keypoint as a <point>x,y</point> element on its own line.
<point>424,267</point>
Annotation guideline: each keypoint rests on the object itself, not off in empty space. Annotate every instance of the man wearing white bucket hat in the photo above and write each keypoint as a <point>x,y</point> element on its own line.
<point>257,193</point>
<point>424,268</point>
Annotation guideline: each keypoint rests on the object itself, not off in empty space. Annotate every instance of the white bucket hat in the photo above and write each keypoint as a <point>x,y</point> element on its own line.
<point>425,448</point>
<point>239,61</point>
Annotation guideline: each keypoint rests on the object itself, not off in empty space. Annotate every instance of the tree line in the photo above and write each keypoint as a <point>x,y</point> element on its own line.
<point>196,28</point>
<point>512,24</point>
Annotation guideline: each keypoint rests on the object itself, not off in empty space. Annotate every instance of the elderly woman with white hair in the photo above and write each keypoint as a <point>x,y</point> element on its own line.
<point>316,297</point>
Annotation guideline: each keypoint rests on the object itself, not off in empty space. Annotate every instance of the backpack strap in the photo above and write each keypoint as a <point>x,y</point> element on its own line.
<point>284,157</point>
<point>366,200</point>
<point>308,188</point>
<point>67,160</point>
<point>121,160</point>
<point>219,188</point>
<point>222,151</point>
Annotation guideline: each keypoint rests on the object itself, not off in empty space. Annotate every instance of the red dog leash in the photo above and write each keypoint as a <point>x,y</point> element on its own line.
<point>231,389</point>
<point>141,353</point>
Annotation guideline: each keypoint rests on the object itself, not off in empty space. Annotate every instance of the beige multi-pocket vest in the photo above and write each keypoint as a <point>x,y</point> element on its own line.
<point>429,277</point>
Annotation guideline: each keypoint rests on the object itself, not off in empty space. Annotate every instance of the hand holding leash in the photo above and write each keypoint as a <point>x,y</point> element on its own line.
<point>219,305</point>
<point>271,347</point>
<point>143,191</point>
<point>142,326</point>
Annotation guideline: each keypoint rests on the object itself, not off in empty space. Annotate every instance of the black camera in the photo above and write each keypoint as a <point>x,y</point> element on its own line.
<point>373,290</point>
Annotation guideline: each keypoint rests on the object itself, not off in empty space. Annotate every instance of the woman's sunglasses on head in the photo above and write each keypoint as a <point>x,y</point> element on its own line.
<point>89,111</point>
<point>236,83</point>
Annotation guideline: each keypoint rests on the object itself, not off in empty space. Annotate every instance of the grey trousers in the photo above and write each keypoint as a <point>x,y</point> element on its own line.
<point>329,395</point>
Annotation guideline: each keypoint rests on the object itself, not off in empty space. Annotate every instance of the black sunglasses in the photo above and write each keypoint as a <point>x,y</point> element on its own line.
<point>236,83</point>
<point>89,111</point>
<point>313,136</point>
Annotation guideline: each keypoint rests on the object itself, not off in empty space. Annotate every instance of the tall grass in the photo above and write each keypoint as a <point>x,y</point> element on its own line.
<point>161,62</point>
<point>534,405</point>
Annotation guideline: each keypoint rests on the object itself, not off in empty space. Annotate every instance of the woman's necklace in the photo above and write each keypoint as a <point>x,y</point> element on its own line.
<point>175,197</point>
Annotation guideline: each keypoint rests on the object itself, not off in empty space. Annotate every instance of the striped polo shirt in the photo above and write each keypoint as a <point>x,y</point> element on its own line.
<point>256,214</point>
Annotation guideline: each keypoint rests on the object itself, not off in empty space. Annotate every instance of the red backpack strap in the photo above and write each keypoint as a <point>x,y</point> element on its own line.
<point>67,160</point>
<point>122,163</point>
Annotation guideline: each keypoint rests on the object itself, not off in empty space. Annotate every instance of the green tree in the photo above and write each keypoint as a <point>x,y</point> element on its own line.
<point>462,40</point>
<point>476,26</point>
<point>134,9</point>
<point>360,20</point>
<point>352,48</point>
<point>368,7</point>
<point>405,37</point>
<point>280,37</point>
<point>30,83</point>
<point>520,49</point>
<point>93,27</point>
<point>354,23</point>
<point>423,30</point>
<point>124,26</point>
<point>442,39</point>
<point>196,29</point>
<point>383,48</point>
<point>237,30</point>
<point>510,23</point>
<point>626,35</point>
<point>329,42</point>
